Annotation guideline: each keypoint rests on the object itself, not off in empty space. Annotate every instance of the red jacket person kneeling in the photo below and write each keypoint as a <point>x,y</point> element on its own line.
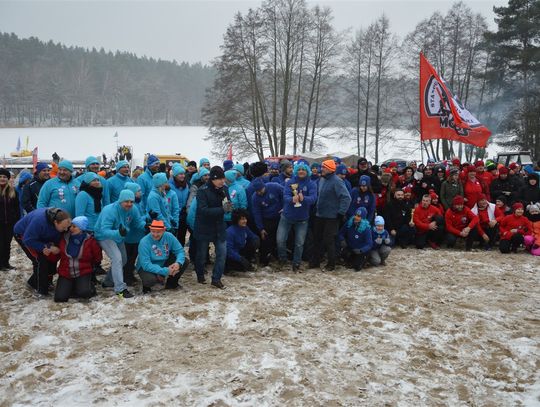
<point>460,224</point>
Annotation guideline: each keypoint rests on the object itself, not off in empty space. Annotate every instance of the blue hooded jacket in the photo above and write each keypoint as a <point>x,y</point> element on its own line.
<point>269,205</point>
<point>166,207</point>
<point>362,199</point>
<point>237,238</point>
<point>147,185</point>
<point>357,237</point>
<point>384,236</point>
<point>333,197</point>
<point>116,184</point>
<point>58,194</point>
<point>154,253</point>
<point>182,194</point>
<point>236,192</point>
<point>309,191</point>
<point>104,184</point>
<point>37,230</point>
<point>110,219</point>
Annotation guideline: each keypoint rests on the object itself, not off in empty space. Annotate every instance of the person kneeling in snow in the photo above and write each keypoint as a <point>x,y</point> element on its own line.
<point>356,240</point>
<point>515,230</point>
<point>79,253</point>
<point>381,243</point>
<point>161,258</point>
<point>242,243</point>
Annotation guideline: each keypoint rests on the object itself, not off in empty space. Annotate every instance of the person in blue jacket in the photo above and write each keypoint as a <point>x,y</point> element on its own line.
<point>299,196</point>
<point>92,165</point>
<point>341,172</point>
<point>204,163</point>
<point>162,203</point>
<point>236,192</point>
<point>266,206</point>
<point>112,226</point>
<point>363,196</point>
<point>242,243</point>
<point>240,177</point>
<point>316,172</point>
<point>286,172</point>
<point>381,243</point>
<point>356,240</point>
<point>118,181</point>
<point>161,258</point>
<point>89,200</point>
<point>134,236</point>
<point>60,192</point>
<point>24,179</point>
<point>38,234</point>
<point>228,165</point>
<point>145,180</point>
<point>180,187</point>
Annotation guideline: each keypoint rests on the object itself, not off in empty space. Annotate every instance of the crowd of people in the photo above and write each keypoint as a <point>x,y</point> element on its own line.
<point>293,214</point>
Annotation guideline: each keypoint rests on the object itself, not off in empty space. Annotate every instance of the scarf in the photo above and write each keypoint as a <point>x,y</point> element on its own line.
<point>95,193</point>
<point>74,244</point>
<point>362,225</point>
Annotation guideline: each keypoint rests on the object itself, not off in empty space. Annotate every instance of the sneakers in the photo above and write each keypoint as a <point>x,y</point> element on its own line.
<point>124,294</point>
<point>296,268</point>
<point>146,290</point>
<point>218,284</point>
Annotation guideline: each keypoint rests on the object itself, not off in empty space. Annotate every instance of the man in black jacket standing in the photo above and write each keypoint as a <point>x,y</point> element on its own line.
<point>363,169</point>
<point>31,190</point>
<point>213,202</point>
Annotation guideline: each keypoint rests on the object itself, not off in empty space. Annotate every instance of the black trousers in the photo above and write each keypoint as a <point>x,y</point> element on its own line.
<point>354,259</point>
<point>451,239</point>
<point>150,279</point>
<point>269,245</point>
<point>43,269</point>
<point>492,234</point>
<point>6,235</point>
<point>435,236</point>
<point>248,252</point>
<point>324,233</point>
<point>182,228</point>
<point>505,246</point>
<point>79,287</point>
<point>132,250</point>
<point>405,235</point>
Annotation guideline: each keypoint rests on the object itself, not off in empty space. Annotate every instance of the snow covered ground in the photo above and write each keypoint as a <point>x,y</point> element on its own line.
<point>430,328</point>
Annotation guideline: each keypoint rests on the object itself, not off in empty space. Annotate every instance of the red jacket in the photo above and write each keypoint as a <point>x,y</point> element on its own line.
<point>89,255</point>
<point>472,191</point>
<point>509,222</point>
<point>457,221</point>
<point>422,217</point>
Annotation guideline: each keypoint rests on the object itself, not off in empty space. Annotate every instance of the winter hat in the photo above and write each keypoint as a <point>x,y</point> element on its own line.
<point>528,169</point>
<point>257,184</point>
<point>454,171</point>
<point>365,181</point>
<point>216,173</point>
<point>341,169</point>
<point>192,164</point>
<point>533,208</point>
<point>23,177</point>
<point>479,163</point>
<point>329,165</point>
<point>503,170</point>
<point>5,172</point>
<point>66,164</point>
<point>407,190</point>
<point>81,222</point>
<point>458,200</point>
<point>258,169</point>
<point>126,195</point>
<point>203,171</point>
<point>502,198</point>
<point>274,166</point>
<point>534,175</point>
<point>203,161</point>
<point>121,163</point>
<point>481,197</point>
<point>240,168</point>
<point>132,186</point>
<point>152,161</point>
<point>362,212</point>
<point>41,166</point>
<point>361,161</point>
<point>513,166</point>
<point>316,165</point>
<point>456,162</point>
<point>491,166</point>
<point>177,169</point>
<point>379,220</point>
<point>230,175</point>
<point>393,164</point>
<point>284,164</point>
<point>228,165</point>
<point>301,166</point>
<point>517,205</point>
<point>433,195</point>
<point>91,160</point>
<point>302,161</point>
<point>337,160</point>
<point>157,225</point>
<point>159,179</point>
<point>90,176</point>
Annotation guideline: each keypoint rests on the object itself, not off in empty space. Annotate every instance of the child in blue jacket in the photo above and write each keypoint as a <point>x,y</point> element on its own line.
<point>381,243</point>
<point>356,240</point>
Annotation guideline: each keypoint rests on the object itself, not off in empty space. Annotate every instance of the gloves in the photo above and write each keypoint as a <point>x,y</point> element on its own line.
<point>387,240</point>
<point>122,230</point>
<point>153,215</point>
<point>378,240</point>
<point>246,264</point>
<point>227,206</point>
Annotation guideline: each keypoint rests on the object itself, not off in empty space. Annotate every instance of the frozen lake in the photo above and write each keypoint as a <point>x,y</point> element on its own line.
<point>78,143</point>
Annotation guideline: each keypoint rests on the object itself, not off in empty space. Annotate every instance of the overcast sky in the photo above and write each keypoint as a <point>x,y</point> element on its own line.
<point>187,30</point>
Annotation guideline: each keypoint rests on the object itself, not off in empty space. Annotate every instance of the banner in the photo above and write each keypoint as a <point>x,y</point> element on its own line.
<point>442,116</point>
<point>229,152</point>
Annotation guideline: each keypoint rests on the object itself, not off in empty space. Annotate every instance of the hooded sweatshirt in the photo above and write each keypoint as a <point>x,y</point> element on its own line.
<point>309,191</point>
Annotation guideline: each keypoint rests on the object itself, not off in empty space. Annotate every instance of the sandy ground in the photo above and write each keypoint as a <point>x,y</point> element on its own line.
<point>430,328</point>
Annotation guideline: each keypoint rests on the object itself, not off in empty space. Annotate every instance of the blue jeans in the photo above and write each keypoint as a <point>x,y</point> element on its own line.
<point>219,264</point>
<point>300,232</point>
<point>117,253</point>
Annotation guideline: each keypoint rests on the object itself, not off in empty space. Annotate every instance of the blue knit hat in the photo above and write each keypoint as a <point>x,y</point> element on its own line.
<point>41,166</point>
<point>257,184</point>
<point>159,179</point>
<point>231,175</point>
<point>203,161</point>
<point>302,166</point>
<point>66,164</point>
<point>25,176</point>
<point>362,212</point>
<point>177,169</point>
<point>365,181</point>
<point>152,160</point>
<point>121,163</point>
<point>239,168</point>
<point>132,186</point>
<point>203,171</point>
<point>342,169</point>
<point>91,160</point>
<point>379,220</point>
<point>81,222</point>
<point>337,160</point>
<point>126,195</point>
<point>90,176</point>
<point>316,165</point>
<point>274,166</point>
<point>227,165</point>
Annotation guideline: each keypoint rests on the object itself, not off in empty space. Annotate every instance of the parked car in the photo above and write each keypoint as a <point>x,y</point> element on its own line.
<point>520,157</point>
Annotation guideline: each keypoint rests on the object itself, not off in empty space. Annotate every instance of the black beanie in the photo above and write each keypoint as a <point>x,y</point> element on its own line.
<point>216,173</point>
<point>5,172</point>
<point>258,169</point>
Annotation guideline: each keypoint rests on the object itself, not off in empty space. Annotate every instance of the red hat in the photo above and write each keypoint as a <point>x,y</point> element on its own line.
<point>503,170</point>
<point>433,195</point>
<point>479,163</point>
<point>458,200</point>
<point>456,162</point>
<point>481,197</point>
<point>392,164</point>
<point>388,170</point>
<point>407,189</point>
<point>513,166</point>
<point>517,205</point>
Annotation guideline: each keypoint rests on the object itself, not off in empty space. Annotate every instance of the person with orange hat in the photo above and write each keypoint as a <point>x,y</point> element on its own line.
<point>161,258</point>
<point>332,204</point>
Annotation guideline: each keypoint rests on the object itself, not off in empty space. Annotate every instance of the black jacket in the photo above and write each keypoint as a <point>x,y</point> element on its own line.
<point>30,194</point>
<point>396,214</point>
<point>530,193</point>
<point>209,221</point>
<point>499,186</point>
<point>10,211</point>
<point>376,184</point>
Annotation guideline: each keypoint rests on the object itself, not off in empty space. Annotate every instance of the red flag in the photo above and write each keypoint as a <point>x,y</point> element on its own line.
<point>441,113</point>
<point>35,158</point>
<point>229,152</point>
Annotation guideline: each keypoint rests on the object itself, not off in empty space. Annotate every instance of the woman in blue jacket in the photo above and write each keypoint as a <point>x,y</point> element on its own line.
<point>356,240</point>
<point>89,200</point>
<point>363,196</point>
